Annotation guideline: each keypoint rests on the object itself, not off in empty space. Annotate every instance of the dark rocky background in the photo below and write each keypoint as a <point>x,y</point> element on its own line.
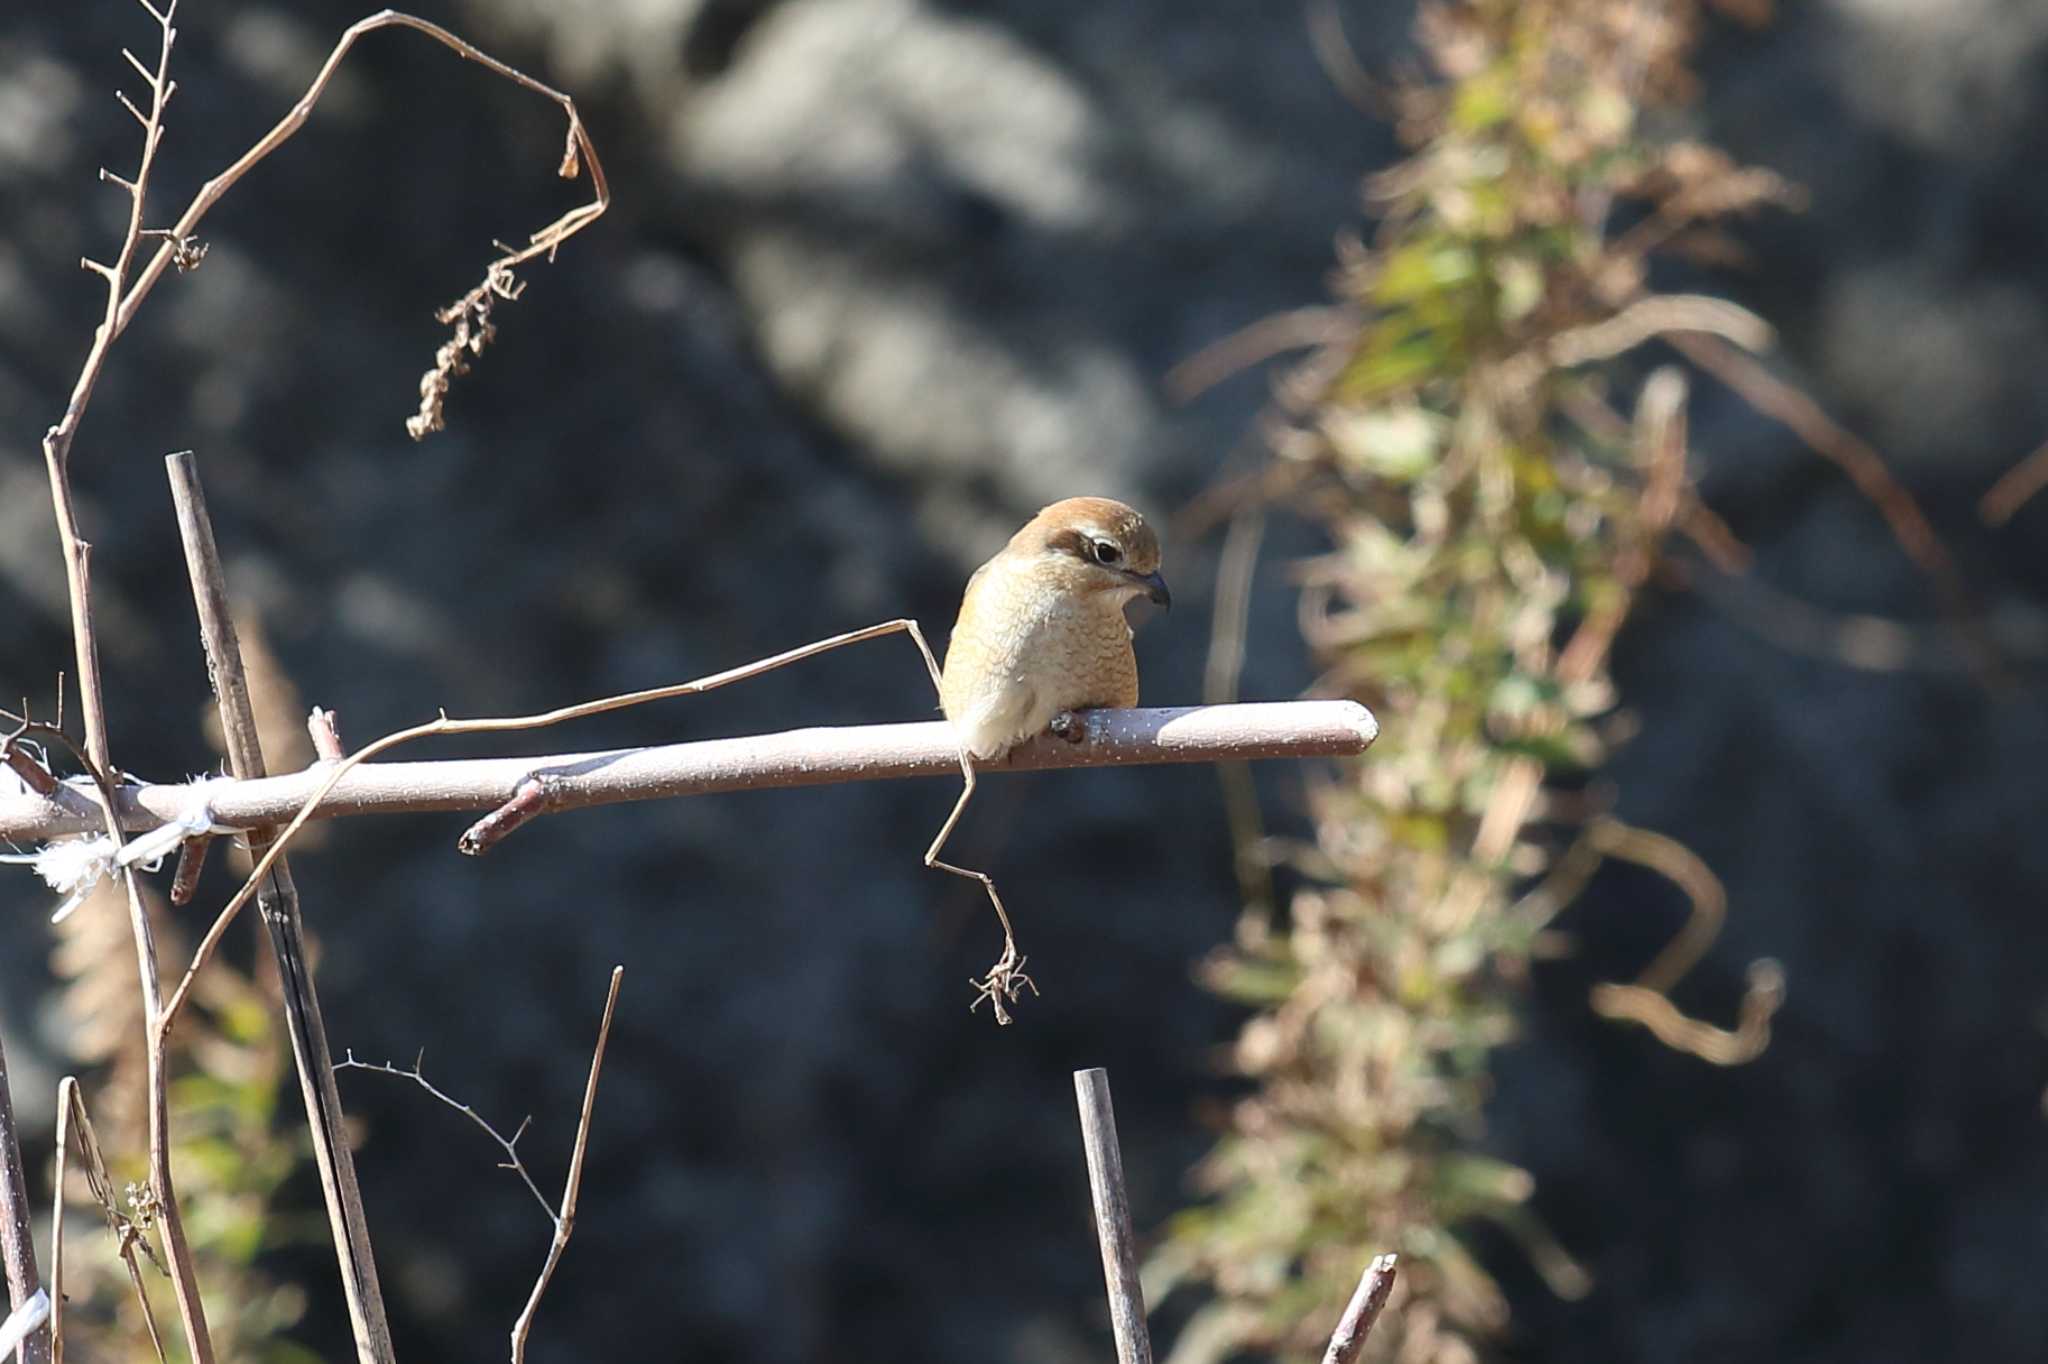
<point>881,277</point>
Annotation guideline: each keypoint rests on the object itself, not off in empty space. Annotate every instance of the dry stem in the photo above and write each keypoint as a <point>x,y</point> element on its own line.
<point>278,900</point>
<point>1112,1206</point>
<point>180,248</point>
<point>2014,487</point>
<point>1374,1288</point>
<point>85,642</point>
<point>565,1217</point>
<point>510,1145</point>
<point>17,1246</point>
<point>562,1217</point>
<point>128,1237</point>
<point>1857,458</point>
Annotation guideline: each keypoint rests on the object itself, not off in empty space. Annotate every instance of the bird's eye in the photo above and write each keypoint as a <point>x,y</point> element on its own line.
<point>1108,554</point>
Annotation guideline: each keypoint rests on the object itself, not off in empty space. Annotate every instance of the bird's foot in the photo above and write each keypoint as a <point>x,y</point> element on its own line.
<point>1071,725</point>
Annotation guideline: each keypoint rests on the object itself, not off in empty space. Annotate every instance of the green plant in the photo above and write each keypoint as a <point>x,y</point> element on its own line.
<point>230,1074</point>
<point>1491,516</point>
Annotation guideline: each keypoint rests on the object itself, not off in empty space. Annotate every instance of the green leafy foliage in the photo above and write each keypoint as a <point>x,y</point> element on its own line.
<point>1490,515</point>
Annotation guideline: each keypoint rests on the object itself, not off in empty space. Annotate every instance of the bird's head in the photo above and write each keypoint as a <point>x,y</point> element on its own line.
<point>1096,548</point>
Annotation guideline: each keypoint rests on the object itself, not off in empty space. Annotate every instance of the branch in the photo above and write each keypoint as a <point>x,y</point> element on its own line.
<point>1112,1205</point>
<point>178,245</point>
<point>1374,1288</point>
<point>562,1218</point>
<point>802,757</point>
<point>278,899</point>
<point>565,1216</point>
<point>85,647</point>
<point>1866,468</point>
<point>2014,487</point>
<point>509,1145</point>
<point>128,1237</point>
<point>124,296</point>
<point>1735,1046</point>
<point>17,1247</point>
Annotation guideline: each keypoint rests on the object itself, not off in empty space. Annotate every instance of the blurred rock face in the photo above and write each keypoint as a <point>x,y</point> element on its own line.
<point>880,279</point>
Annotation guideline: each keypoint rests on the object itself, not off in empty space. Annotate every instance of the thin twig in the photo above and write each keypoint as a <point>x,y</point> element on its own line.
<point>85,645</point>
<point>278,902</point>
<point>1684,868</point>
<point>17,1245</point>
<point>1112,1206</point>
<point>531,798</point>
<point>33,772</point>
<point>128,1237</point>
<point>2014,487</point>
<point>802,757</point>
<point>1341,65</point>
<point>124,296</point>
<point>1654,315</point>
<point>562,1218</point>
<point>578,152</point>
<point>510,1145</point>
<point>565,1217</point>
<point>1309,328</point>
<point>191,863</point>
<point>66,1089</point>
<point>1221,680</point>
<point>1866,468</point>
<point>1762,995</point>
<point>1826,437</point>
<point>1647,1000</point>
<point>1374,1287</point>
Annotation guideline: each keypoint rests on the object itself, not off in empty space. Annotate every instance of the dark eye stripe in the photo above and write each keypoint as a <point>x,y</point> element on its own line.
<point>1070,542</point>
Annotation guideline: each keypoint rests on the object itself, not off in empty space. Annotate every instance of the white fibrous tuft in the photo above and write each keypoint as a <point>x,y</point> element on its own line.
<point>71,867</point>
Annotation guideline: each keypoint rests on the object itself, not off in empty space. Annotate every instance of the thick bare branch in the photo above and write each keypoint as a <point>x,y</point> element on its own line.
<point>802,757</point>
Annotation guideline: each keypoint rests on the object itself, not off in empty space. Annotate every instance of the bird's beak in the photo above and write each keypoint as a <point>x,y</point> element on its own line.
<point>1155,588</point>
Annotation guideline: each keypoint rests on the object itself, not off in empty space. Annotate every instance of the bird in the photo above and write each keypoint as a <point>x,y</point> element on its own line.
<point>1042,631</point>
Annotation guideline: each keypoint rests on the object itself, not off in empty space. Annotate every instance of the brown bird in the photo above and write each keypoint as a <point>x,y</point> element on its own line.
<point>1042,628</point>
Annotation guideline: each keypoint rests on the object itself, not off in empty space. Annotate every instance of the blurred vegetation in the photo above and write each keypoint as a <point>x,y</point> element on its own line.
<point>231,1070</point>
<point>1495,472</point>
